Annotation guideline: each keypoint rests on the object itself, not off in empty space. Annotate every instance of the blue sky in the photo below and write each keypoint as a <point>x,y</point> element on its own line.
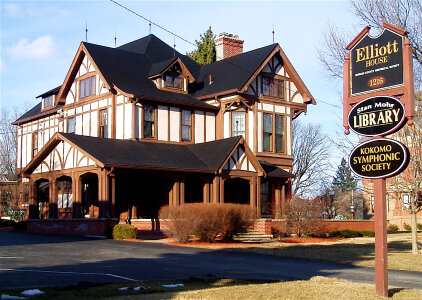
<point>39,39</point>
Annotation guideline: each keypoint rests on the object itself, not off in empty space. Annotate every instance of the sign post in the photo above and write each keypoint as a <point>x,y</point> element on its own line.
<point>377,70</point>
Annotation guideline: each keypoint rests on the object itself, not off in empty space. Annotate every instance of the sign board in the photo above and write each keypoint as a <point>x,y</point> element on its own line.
<point>379,158</point>
<point>377,116</point>
<point>377,63</point>
<point>16,214</point>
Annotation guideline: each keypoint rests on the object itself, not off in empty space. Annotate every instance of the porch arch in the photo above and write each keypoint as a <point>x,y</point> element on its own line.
<point>89,195</point>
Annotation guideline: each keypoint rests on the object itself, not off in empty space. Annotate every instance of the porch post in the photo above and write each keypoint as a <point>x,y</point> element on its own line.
<point>216,189</point>
<point>33,205</point>
<point>76,191</point>
<point>283,199</point>
<point>277,212</point>
<point>222,180</point>
<point>206,191</point>
<point>103,197</point>
<point>252,193</point>
<point>113,195</point>
<point>182,191</point>
<point>258,197</point>
<point>52,201</point>
<point>176,193</point>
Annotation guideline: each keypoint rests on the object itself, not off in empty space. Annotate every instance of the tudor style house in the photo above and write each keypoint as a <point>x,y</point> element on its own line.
<point>140,126</point>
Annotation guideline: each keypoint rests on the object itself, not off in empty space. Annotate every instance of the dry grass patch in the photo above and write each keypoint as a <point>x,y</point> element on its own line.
<point>356,251</point>
<point>314,289</point>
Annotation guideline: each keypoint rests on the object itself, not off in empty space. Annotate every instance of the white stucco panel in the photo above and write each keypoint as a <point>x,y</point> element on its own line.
<point>259,132</point>
<point>163,120</point>
<point>94,123</point>
<point>128,121</point>
<point>119,122</point>
<point>268,107</point>
<point>226,124</point>
<point>251,130</point>
<point>174,124</point>
<point>199,126</point>
<point>86,124</point>
<point>280,109</point>
<point>289,136</point>
<point>210,127</point>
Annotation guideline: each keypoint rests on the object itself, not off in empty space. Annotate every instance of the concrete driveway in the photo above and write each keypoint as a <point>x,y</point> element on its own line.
<point>32,260</point>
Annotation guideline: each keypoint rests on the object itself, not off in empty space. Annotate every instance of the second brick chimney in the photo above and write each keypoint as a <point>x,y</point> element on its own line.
<point>227,45</point>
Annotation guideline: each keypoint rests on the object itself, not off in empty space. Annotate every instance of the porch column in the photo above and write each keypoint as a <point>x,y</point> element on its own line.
<point>113,195</point>
<point>252,193</point>
<point>258,197</point>
<point>221,190</point>
<point>103,195</point>
<point>216,190</point>
<point>52,201</point>
<point>176,193</point>
<point>182,191</point>
<point>277,212</point>
<point>206,191</point>
<point>33,205</point>
<point>283,199</point>
<point>77,195</point>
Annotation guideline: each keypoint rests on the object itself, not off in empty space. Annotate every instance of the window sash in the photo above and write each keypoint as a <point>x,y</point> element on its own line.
<point>87,87</point>
<point>48,101</point>
<point>71,125</point>
<point>104,123</point>
<point>279,133</point>
<point>273,87</point>
<point>186,125</point>
<point>268,132</point>
<point>238,124</point>
<point>149,120</point>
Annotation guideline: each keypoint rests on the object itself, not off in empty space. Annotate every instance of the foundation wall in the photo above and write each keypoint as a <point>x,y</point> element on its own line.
<point>92,227</point>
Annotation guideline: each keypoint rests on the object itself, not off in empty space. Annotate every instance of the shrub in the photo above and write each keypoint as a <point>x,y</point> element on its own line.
<point>419,226</point>
<point>206,220</point>
<point>345,233</point>
<point>393,227</point>
<point>367,233</point>
<point>407,227</point>
<point>124,231</point>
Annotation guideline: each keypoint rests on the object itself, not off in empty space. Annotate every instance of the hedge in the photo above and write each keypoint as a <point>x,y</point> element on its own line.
<point>124,231</point>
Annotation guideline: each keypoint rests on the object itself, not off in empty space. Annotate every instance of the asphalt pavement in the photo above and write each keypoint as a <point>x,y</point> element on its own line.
<point>34,260</point>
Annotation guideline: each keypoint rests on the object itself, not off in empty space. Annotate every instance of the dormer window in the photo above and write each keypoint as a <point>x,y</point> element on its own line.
<point>87,87</point>
<point>47,101</point>
<point>172,81</point>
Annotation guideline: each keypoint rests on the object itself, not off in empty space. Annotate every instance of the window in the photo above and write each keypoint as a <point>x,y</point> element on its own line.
<point>34,143</point>
<point>48,101</point>
<point>172,81</point>
<point>6,198</point>
<point>268,132</point>
<point>64,194</point>
<point>279,133</point>
<point>186,125</point>
<point>149,118</point>
<point>265,199</point>
<point>71,125</point>
<point>273,87</point>
<point>103,123</point>
<point>87,87</point>
<point>238,124</point>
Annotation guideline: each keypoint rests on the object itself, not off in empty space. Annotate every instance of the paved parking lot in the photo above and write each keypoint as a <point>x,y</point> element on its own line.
<point>33,260</point>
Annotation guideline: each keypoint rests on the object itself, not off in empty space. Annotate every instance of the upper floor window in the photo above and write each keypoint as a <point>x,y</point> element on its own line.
<point>274,133</point>
<point>34,143</point>
<point>87,87</point>
<point>173,81</point>
<point>273,87</point>
<point>186,125</point>
<point>238,124</point>
<point>268,132</point>
<point>103,123</point>
<point>48,101</point>
<point>71,125</point>
<point>149,121</point>
<point>279,133</point>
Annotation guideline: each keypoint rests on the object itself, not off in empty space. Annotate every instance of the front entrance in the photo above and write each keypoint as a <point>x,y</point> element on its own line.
<point>237,190</point>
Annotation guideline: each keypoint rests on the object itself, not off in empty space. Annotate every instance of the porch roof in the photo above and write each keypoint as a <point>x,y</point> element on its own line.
<point>274,171</point>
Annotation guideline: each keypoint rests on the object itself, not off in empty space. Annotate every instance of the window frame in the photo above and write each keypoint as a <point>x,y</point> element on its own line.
<point>273,138</point>
<point>101,126</point>
<point>277,82</point>
<point>74,121</point>
<point>245,113</point>
<point>182,125</point>
<point>154,122</point>
<point>50,102</point>
<point>34,145</point>
<point>91,80</point>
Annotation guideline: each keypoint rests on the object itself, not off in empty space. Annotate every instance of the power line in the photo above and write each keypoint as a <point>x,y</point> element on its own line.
<point>153,23</point>
<point>337,106</point>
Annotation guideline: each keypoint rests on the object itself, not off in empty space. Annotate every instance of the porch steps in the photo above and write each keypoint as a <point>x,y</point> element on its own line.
<point>252,236</point>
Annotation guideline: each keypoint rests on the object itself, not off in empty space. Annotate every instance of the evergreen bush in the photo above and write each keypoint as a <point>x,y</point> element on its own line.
<point>393,227</point>
<point>124,231</point>
<point>367,233</point>
<point>419,227</point>
<point>347,233</point>
<point>407,227</point>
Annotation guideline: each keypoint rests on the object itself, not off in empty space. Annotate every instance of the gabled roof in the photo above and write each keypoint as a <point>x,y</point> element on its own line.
<point>50,92</point>
<point>159,68</point>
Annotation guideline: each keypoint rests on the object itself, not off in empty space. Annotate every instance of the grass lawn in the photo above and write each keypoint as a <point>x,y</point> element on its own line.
<point>355,251</point>
<point>315,288</point>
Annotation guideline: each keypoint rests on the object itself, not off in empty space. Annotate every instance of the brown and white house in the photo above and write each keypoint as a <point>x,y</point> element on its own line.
<point>140,126</point>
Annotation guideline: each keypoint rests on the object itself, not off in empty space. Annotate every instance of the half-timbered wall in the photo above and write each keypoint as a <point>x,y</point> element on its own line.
<point>64,157</point>
<point>239,161</point>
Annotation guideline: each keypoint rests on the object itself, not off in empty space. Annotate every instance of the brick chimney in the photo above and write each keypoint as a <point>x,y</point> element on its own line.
<point>227,45</point>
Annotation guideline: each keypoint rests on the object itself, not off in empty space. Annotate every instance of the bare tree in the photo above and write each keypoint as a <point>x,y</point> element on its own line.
<point>410,181</point>
<point>8,142</point>
<point>311,158</point>
<point>406,14</point>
